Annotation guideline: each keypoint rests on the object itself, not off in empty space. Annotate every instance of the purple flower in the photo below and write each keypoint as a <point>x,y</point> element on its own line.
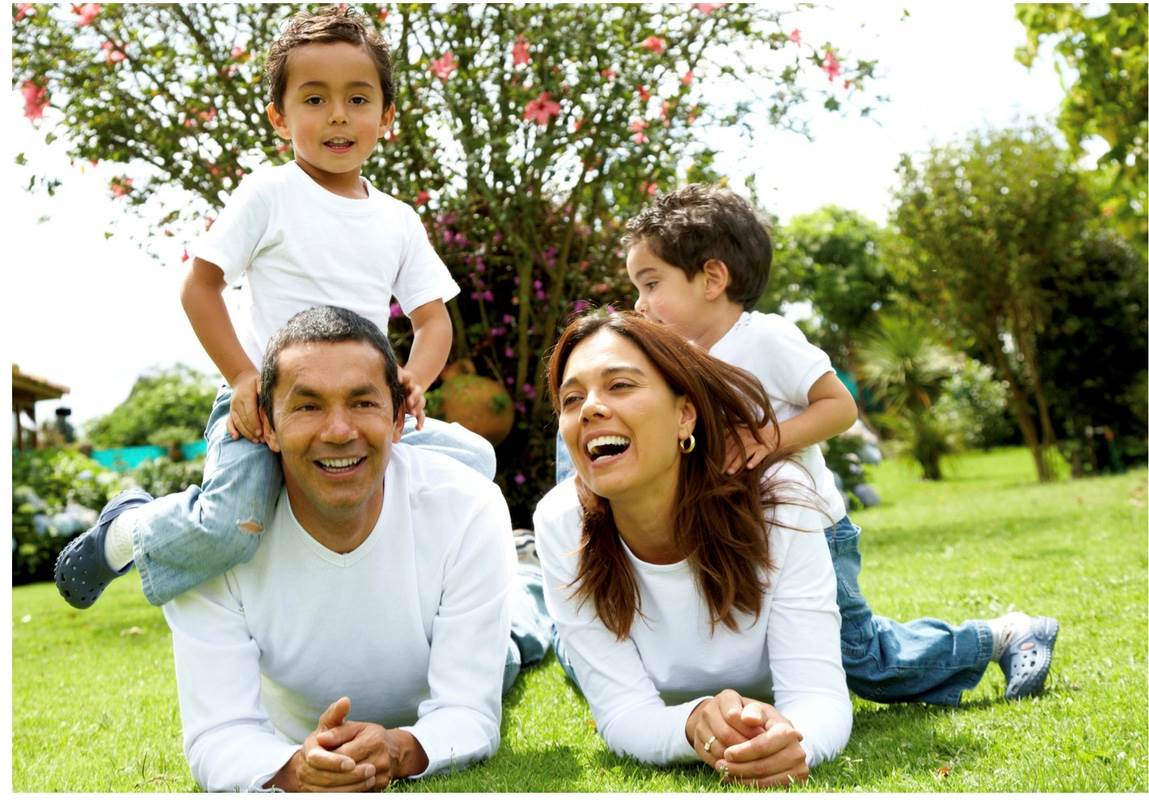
<point>541,295</point>
<point>508,319</point>
<point>529,391</point>
<point>488,295</point>
<point>581,305</point>
<point>520,479</point>
<point>509,352</point>
<point>396,310</point>
<point>510,382</point>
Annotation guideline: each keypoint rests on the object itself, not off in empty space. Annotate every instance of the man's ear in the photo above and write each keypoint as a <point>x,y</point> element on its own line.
<point>717,278</point>
<point>268,432</point>
<point>278,122</point>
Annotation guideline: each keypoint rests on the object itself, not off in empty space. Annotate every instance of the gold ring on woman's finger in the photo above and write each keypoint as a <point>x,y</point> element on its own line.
<point>709,743</point>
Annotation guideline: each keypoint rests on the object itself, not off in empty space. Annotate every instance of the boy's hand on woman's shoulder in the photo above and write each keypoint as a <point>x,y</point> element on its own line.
<point>751,445</point>
<point>244,417</point>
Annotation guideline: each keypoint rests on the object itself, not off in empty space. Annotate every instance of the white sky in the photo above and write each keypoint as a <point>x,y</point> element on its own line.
<point>92,313</point>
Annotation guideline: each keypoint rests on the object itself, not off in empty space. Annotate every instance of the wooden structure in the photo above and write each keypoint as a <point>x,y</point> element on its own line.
<point>26,392</point>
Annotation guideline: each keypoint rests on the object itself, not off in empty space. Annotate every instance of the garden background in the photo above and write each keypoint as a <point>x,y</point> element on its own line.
<point>1001,302</point>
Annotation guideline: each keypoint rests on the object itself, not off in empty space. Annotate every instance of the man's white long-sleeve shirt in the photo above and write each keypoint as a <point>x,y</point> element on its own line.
<point>413,626</point>
<point>642,689</point>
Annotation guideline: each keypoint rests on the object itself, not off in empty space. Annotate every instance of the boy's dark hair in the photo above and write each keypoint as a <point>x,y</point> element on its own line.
<point>327,325</point>
<point>696,223</point>
<point>330,24</point>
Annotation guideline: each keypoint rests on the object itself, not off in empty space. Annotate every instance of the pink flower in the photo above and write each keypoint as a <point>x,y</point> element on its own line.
<point>637,128</point>
<point>643,94</point>
<point>382,14</point>
<point>831,66</point>
<point>112,54</point>
<point>35,100</point>
<point>610,74</point>
<point>520,479</point>
<point>23,10</point>
<point>655,44</point>
<point>86,13</point>
<point>796,37</point>
<point>521,53</point>
<point>650,188</point>
<point>422,198</point>
<point>541,109</point>
<point>444,66</point>
<point>239,53</point>
<point>185,256</point>
<point>396,310</point>
<point>666,113</point>
<point>283,147</point>
<point>706,8</point>
<point>688,78</point>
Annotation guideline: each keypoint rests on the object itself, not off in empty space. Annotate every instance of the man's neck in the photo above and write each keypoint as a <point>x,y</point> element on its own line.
<point>341,531</point>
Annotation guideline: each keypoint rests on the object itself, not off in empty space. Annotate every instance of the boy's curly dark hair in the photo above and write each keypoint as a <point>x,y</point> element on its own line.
<point>691,225</point>
<point>330,24</point>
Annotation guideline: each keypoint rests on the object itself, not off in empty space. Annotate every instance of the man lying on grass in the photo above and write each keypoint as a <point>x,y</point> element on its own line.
<point>380,592</point>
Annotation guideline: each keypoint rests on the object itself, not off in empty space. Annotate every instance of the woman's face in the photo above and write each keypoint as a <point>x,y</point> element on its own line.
<point>620,420</point>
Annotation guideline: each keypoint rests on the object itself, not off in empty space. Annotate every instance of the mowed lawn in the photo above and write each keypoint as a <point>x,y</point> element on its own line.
<point>94,701</point>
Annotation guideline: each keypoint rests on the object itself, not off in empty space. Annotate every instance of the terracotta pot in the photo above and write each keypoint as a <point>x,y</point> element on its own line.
<point>479,404</point>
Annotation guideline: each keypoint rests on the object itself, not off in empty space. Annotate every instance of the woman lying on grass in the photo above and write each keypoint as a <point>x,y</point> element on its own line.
<point>695,610</point>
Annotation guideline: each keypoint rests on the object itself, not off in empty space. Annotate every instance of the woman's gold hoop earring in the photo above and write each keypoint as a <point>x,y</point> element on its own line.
<point>687,444</point>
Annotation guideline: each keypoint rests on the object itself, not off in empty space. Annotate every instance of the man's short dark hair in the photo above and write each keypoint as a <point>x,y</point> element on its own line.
<point>327,325</point>
<point>696,223</point>
<point>330,24</point>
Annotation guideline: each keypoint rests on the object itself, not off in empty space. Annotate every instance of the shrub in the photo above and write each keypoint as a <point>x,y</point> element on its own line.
<point>161,476</point>
<point>56,495</point>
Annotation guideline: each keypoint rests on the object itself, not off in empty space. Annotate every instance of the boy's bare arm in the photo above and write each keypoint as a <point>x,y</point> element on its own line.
<point>429,350</point>
<point>202,299</point>
<point>831,411</point>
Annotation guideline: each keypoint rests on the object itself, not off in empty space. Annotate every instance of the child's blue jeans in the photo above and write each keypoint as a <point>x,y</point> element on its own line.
<point>923,661</point>
<point>189,537</point>
<point>926,660</point>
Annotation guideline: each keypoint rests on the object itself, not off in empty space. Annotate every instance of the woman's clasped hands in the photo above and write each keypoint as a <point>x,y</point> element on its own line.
<point>746,741</point>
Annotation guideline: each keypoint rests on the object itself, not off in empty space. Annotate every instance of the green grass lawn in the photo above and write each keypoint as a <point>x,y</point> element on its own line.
<point>94,700</point>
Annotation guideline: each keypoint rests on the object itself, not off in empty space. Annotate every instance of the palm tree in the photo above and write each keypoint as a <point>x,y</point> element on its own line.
<point>907,367</point>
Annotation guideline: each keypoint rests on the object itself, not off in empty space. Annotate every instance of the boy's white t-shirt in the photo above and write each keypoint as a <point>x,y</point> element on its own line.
<point>300,246</point>
<point>778,354</point>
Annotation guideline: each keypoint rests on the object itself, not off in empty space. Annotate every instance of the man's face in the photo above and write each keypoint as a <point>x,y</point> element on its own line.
<point>334,426</point>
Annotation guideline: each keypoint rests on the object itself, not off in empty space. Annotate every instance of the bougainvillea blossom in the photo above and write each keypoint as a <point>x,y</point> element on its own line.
<point>796,37</point>
<point>35,100</point>
<point>541,109</point>
<point>444,66</point>
<point>831,66</point>
<point>655,44</point>
<point>521,53</point>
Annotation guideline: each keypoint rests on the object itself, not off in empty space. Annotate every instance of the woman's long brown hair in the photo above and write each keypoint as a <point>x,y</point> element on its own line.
<point>721,522</point>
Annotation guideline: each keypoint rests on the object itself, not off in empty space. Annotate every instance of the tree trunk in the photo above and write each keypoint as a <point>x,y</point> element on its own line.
<point>1019,402</point>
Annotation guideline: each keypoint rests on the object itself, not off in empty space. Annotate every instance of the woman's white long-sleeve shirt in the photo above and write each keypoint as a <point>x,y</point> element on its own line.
<point>413,626</point>
<point>642,690</point>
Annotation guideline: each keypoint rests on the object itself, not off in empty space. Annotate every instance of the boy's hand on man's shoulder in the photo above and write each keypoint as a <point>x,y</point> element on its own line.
<point>243,420</point>
<point>415,403</point>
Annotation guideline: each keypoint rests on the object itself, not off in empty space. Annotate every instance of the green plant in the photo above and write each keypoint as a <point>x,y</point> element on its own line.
<point>55,495</point>
<point>908,368</point>
<point>161,476</point>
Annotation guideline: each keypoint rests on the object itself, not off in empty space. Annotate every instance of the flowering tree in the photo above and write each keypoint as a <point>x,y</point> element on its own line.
<point>524,135</point>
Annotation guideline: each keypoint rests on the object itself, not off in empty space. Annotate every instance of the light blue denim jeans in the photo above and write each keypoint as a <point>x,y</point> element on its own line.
<point>189,537</point>
<point>922,661</point>
<point>531,625</point>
